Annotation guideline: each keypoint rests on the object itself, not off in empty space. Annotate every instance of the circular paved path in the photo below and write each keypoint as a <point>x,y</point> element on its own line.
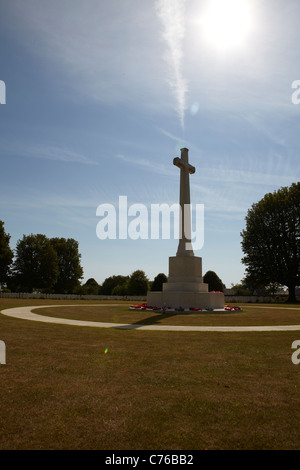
<point>25,313</point>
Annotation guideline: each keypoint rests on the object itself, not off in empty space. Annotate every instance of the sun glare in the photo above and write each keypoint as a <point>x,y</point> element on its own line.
<point>226,23</point>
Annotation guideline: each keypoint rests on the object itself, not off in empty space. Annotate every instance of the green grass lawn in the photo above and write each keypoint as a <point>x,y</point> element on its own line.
<point>110,312</point>
<point>152,389</point>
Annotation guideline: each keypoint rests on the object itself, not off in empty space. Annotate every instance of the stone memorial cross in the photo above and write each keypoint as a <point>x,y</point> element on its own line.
<point>185,288</point>
<point>184,246</point>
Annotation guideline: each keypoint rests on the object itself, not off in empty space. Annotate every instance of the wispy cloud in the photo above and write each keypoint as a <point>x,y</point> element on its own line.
<point>39,199</point>
<point>107,51</point>
<point>149,165</point>
<point>172,16</point>
<point>61,154</point>
<point>232,192</point>
<point>253,178</point>
<point>180,141</point>
<point>172,136</point>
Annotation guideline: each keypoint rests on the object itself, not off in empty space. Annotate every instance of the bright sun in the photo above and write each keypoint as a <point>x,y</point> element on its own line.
<point>226,23</point>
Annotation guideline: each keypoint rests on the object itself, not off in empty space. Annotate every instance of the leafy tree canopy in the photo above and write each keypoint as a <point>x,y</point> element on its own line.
<point>50,265</point>
<point>138,283</point>
<point>36,264</point>
<point>213,281</point>
<point>111,282</point>
<point>70,270</point>
<point>6,254</point>
<point>91,287</point>
<point>159,280</point>
<point>271,240</point>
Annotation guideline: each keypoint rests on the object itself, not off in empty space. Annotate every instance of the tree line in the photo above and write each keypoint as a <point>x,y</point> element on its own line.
<point>138,284</point>
<point>50,265</point>
<point>135,284</point>
<point>270,242</point>
<point>53,265</point>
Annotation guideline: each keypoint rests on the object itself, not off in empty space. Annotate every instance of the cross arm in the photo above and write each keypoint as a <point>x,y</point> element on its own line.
<point>182,164</point>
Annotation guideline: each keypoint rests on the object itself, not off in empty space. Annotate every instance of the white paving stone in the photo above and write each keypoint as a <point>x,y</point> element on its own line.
<point>25,313</point>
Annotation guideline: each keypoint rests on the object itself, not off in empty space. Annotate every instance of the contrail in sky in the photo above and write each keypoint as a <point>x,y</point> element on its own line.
<point>172,14</point>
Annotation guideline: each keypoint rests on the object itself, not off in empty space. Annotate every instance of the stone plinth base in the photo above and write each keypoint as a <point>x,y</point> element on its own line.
<point>186,300</point>
<point>185,275</point>
<point>185,269</point>
<point>185,287</point>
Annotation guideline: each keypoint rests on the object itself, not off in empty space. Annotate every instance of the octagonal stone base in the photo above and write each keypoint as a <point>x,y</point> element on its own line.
<point>186,300</point>
<point>185,287</point>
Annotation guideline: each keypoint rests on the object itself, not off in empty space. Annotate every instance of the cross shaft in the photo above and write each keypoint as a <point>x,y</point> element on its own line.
<point>184,199</point>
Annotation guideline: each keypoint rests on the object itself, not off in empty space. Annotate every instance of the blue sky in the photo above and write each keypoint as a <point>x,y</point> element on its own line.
<point>100,97</point>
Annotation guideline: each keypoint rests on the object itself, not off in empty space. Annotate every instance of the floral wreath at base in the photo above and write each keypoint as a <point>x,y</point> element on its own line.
<point>144,306</point>
<point>231,309</point>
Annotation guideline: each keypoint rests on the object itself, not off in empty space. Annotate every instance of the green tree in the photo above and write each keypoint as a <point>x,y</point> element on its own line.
<point>240,289</point>
<point>6,254</point>
<point>120,289</point>
<point>159,280</point>
<point>138,283</point>
<point>36,264</point>
<point>111,282</point>
<point>213,281</point>
<point>91,287</point>
<point>70,270</point>
<point>273,288</point>
<point>271,240</point>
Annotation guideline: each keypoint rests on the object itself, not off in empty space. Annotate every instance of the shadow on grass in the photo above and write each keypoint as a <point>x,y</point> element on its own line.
<point>152,320</point>
<point>156,319</point>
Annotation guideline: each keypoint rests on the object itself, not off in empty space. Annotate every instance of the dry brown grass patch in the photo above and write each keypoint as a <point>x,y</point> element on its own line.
<point>152,390</point>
